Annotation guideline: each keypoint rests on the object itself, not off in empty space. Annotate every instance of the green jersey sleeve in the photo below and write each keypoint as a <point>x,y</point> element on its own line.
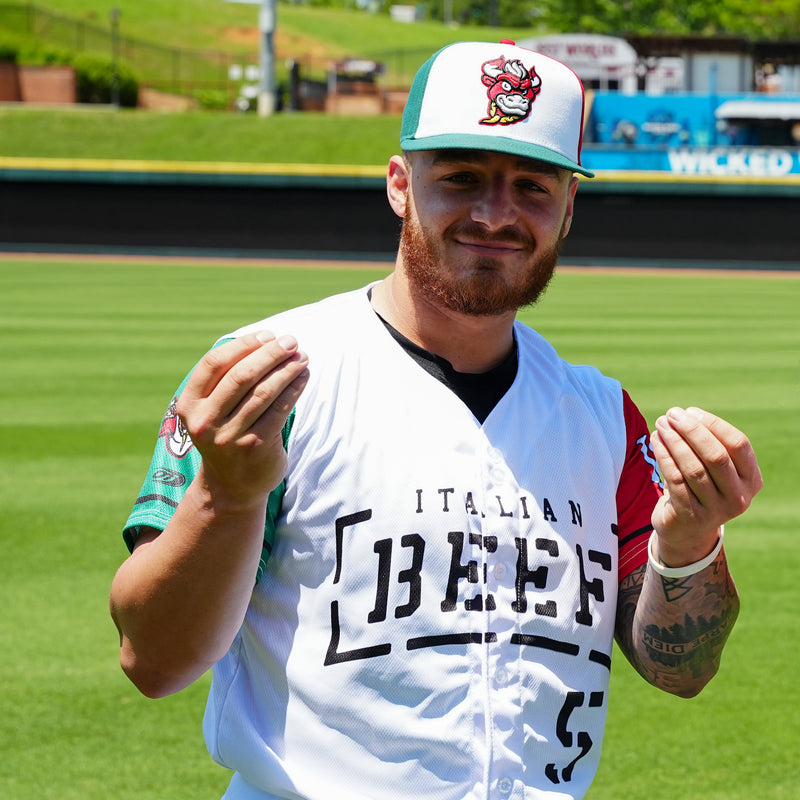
<point>173,466</point>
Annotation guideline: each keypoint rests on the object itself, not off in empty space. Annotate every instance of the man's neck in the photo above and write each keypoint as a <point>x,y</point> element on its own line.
<point>469,343</point>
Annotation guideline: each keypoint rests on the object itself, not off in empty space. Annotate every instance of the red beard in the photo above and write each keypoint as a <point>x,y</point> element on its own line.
<point>485,290</point>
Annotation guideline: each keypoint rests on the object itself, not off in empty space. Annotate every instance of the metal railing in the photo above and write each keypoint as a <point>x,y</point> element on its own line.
<point>164,67</point>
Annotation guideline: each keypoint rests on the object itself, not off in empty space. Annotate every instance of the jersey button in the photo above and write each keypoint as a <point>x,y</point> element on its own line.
<point>499,475</point>
<point>494,454</point>
<point>504,786</point>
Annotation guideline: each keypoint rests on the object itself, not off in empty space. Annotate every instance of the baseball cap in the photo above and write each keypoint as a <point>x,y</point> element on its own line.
<point>499,97</point>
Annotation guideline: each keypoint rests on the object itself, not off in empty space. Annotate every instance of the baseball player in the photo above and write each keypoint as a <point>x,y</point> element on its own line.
<point>399,528</point>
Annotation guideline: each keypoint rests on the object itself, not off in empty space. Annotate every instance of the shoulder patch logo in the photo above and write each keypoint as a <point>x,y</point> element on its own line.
<point>511,89</point>
<point>175,436</point>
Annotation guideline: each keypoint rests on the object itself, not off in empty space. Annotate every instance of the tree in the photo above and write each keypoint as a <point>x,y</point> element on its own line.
<point>778,19</point>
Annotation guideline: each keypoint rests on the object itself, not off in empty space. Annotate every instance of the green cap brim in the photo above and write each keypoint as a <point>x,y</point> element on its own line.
<point>498,144</point>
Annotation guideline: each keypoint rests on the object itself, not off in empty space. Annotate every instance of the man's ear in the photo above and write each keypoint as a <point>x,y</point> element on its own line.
<point>572,189</point>
<point>398,180</point>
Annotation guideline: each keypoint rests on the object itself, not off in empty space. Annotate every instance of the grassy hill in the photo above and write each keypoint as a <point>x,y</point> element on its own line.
<point>317,35</point>
<point>301,30</point>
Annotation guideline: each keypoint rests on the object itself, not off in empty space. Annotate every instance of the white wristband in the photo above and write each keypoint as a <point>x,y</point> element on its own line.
<point>689,569</point>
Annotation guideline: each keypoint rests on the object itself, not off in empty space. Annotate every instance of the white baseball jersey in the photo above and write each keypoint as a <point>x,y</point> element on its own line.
<point>435,619</point>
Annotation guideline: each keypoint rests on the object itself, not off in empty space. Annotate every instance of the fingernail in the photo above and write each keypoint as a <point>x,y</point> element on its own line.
<point>265,336</point>
<point>677,414</point>
<point>287,342</point>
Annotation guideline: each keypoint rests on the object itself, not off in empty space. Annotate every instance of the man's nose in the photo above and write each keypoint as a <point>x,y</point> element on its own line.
<point>495,208</point>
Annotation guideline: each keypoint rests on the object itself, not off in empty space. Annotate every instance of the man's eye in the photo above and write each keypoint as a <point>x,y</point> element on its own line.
<point>460,177</point>
<point>532,186</point>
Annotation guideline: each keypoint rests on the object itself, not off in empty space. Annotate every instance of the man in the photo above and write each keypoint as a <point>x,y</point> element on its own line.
<point>400,529</point>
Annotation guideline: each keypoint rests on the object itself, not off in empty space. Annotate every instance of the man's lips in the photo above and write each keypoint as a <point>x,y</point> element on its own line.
<point>497,248</point>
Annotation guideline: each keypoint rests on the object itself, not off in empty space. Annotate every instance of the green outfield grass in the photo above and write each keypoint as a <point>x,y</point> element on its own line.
<point>198,136</point>
<point>90,352</point>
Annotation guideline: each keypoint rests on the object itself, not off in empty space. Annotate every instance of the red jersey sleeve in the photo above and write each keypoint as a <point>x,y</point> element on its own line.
<point>638,491</point>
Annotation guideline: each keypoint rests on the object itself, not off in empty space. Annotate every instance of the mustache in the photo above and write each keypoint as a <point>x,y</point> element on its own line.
<point>476,233</point>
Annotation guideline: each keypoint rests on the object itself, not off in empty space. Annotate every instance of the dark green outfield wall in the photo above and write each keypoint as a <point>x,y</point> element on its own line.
<point>306,214</point>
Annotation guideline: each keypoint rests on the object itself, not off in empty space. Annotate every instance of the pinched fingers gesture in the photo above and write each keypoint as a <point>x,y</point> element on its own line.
<point>235,405</point>
<point>711,475</point>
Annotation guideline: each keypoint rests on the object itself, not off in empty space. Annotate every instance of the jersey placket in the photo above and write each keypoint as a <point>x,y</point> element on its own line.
<point>500,669</point>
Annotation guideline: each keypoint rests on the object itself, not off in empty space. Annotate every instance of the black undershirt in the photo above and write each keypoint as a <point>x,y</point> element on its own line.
<point>480,392</point>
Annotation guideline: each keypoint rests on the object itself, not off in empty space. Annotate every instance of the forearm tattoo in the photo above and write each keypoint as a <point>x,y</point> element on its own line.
<point>673,629</point>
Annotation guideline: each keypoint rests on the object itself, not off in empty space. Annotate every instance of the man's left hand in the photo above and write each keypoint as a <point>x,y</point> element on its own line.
<point>710,474</point>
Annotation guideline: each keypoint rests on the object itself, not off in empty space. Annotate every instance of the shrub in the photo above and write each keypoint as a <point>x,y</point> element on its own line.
<point>9,50</point>
<point>48,56</point>
<point>95,81</point>
<point>213,99</point>
<point>32,53</point>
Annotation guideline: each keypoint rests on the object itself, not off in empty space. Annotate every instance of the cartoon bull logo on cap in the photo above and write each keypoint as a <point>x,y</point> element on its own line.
<point>511,89</point>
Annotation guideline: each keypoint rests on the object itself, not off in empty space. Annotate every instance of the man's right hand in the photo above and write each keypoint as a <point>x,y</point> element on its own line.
<point>235,405</point>
<point>180,598</point>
